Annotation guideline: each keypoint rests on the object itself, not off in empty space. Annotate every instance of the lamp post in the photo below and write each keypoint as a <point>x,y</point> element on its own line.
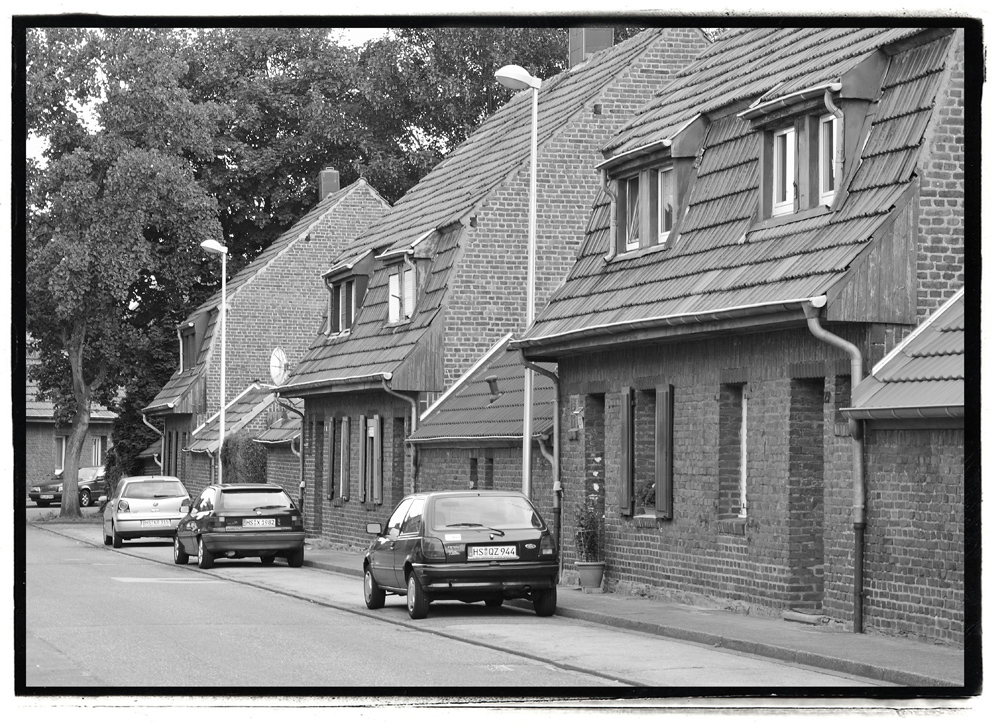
<point>214,247</point>
<point>517,78</point>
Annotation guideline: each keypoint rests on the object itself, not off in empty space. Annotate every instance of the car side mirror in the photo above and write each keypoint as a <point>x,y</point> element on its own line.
<point>374,529</point>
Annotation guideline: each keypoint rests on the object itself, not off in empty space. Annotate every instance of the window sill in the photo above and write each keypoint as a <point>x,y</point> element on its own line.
<point>399,323</point>
<point>648,520</point>
<point>789,218</point>
<point>637,253</point>
<point>732,526</point>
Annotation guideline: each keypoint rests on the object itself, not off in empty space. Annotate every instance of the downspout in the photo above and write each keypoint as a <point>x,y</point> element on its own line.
<point>606,187</point>
<point>413,426</point>
<point>157,460</point>
<point>554,459</point>
<point>839,114</point>
<point>301,456</point>
<point>811,309</point>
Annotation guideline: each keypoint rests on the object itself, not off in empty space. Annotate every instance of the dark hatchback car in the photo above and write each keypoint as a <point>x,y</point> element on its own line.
<point>462,545</point>
<point>241,521</point>
<point>89,486</point>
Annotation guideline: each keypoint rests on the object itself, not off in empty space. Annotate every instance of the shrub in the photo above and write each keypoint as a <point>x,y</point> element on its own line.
<point>588,532</point>
<point>243,460</point>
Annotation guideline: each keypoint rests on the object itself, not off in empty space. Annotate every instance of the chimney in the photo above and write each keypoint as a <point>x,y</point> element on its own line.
<point>329,182</point>
<point>585,41</point>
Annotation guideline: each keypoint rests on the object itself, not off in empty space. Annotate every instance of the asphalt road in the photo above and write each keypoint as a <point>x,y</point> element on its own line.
<point>242,624</point>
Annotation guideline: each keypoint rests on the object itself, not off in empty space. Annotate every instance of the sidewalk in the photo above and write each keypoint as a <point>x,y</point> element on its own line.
<point>893,660</point>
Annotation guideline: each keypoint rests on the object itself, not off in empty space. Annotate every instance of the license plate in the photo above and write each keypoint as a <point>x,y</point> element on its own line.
<point>493,553</point>
<point>46,497</point>
<point>258,522</point>
<point>152,523</point>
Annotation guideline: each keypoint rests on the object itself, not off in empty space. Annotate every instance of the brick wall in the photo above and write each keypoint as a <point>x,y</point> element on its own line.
<point>915,536</point>
<point>941,219</point>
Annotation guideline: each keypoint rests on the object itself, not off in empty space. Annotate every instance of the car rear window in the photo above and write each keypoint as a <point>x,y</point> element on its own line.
<point>255,499</point>
<point>498,511</point>
<point>154,489</point>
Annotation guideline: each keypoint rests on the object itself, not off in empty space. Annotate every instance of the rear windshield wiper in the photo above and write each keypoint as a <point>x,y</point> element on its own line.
<point>267,507</point>
<point>476,525</point>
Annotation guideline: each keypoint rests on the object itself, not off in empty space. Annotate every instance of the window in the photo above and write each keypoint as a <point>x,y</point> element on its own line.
<point>828,170</point>
<point>345,458</point>
<point>370,463</point>
<point>783,172</point>
<point>401,294</point>
<point>60,453</point>
<point>647,421</point>
<point>99,447</point>
<point>733,457</point>
<point>414,516</point>
<point>647,209</point>
<point>342,306</point>
<point>189,351</point>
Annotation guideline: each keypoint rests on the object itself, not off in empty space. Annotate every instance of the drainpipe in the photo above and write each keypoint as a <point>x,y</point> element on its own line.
<point>158,461</point>
<point>413,426</point>
<point>301,456</point>
<point>607,188</point>
<point>811,309</point>
<point>554,459</point>
<point>839,114</point>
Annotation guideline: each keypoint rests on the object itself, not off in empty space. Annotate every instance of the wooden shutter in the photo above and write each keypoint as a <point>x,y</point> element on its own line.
<point>409,292</point>
<point>345,458</point>
<point>394,300</point>
<point>330,447</point>
<point>376,423</point>
<point>625,489</point>
<point>664,470</point>
<point>362,449</point>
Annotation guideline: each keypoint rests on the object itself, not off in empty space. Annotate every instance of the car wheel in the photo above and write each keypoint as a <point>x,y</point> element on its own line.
<point>40,504</point>
<point>296,557</point>
<point>205,559</point>
<point>374,595</point>
<point>267,560</point>
<point>84,498</point>
<point>494,601</point>
<point>416,599</point>
<point>545,602</point>
<point>116,540</point>
<point>107,538</point>
<point>180,557</point>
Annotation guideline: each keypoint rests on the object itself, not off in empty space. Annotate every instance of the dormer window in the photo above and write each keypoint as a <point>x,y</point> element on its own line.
<point>189,350</point>
<point>347,282</point>
<point>402,293</point>
<point>647,209</point>
<point>342,306</point>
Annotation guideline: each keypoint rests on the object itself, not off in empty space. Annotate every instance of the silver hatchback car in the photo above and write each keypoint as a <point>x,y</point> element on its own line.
<point>144,507</point>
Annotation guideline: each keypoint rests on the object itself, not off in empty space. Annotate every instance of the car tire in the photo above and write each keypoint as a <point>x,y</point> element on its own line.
<point>116,540</point>
<point>374,594</point>
<point>545,602</point>
<point>84,498</point>
<point>205,558</point>
<point>180,557</point>
<point>40,504</point>
<point>494,602</point>
<point>296,557</point>
<point>107,538</point>
<point>417,602</point>
<point>267,560</point>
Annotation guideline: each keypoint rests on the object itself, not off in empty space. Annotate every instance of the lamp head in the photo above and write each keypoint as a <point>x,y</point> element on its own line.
<point>517,78</point>
<point>214,247</point>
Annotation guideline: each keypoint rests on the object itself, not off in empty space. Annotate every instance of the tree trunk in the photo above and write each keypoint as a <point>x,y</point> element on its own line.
<point>70,507</point>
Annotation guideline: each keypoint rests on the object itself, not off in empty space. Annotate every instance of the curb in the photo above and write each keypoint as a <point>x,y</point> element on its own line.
<point>770,651</point>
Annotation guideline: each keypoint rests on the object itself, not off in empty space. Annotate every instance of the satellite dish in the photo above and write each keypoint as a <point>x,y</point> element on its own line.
<point>279,366</point>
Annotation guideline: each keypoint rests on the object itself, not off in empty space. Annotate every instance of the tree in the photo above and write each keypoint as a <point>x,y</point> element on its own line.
<point>115,215</point>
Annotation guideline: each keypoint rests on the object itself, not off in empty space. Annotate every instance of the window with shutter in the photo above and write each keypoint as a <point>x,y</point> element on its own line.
<point>627,452</point>
<point>362,459</point>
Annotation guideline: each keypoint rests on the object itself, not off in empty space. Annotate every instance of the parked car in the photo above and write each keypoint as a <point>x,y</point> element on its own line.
<point>240,521</point>
<point>148,506</point>
<point>462,545</point>
<point>89,482</point>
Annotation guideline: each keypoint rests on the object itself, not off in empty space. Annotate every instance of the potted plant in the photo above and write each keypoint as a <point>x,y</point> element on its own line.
<point>588,544</point>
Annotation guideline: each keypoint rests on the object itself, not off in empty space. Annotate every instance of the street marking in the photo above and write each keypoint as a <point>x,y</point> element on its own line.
<point>163,580</point>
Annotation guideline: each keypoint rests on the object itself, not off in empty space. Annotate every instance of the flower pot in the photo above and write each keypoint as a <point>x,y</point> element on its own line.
<point>591,574</point>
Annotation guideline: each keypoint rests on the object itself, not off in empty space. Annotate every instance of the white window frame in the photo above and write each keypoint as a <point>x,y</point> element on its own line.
<point>828,155</point>
<point>402,294</point>
<point>395,300</point>
<point>60,453</point>
<point>633,220</point>
<point>780,206</point>
<point>743,452</point>
<point>664,234</point>
<point>97,450</point>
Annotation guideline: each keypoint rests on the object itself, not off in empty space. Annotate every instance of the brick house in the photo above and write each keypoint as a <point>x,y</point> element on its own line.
<point>266,302</point>
<point>45,441</point>
<point>784,212</point>
<point>431,287</point>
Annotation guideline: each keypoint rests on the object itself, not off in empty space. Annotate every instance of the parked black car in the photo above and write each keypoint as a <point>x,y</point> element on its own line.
<point>462,545</point>
<point>240,521</point>
<point>90,485</point>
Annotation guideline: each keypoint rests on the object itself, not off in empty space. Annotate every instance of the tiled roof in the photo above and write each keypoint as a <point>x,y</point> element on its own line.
<point>922,377</point>
<point>44,410</point>
<point>449,193</point>
<point>176,394</point>
<point>254,400</point>
<point>467,412</point>
<point>717,263</point>
<point>151,451</point>
<point>284,429</point>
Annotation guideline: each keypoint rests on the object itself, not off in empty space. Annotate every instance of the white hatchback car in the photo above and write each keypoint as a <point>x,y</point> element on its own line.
<point>145,507</point>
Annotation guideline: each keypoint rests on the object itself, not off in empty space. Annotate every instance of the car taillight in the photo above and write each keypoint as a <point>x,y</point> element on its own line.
<point>187,502</point>
<point>432,549</point>
<point>295,519</point>
<point>122,506</point>
<point>547,547</point>
<point>215,522</point>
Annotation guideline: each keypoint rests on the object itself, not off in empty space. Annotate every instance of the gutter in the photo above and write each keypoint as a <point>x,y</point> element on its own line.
<point>374,377</point>
<point>760,109</point>
<point>413,424</point>
<point>924,412</point>
<point>811,309</point>
<point>156,459</point>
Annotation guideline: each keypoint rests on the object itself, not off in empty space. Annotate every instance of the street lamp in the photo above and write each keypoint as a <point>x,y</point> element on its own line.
<point>517,78</point>
<point>214,247</point>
